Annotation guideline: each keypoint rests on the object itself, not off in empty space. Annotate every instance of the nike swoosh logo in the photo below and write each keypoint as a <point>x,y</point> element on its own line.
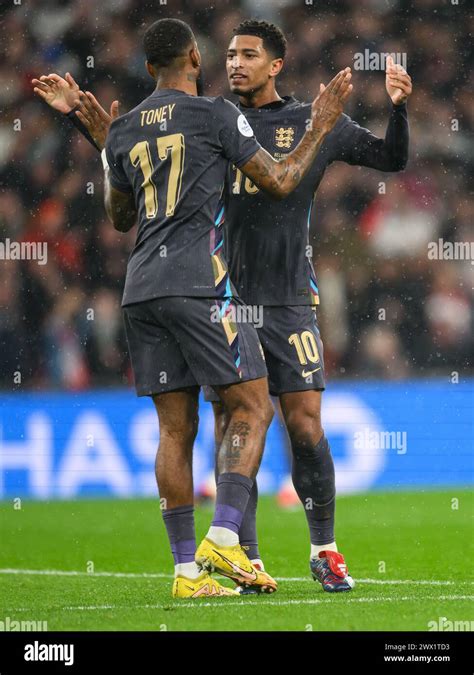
<point>306,373</point>
<point>236,568</point>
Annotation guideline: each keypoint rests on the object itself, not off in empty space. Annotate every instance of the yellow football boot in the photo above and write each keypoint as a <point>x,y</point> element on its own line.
<point>270,587</point>
<point>202,587</point>
<point>231,561</point>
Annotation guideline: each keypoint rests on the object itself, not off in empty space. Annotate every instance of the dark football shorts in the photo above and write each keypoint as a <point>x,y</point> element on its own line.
<point>293,350</point>
<point>177,342</point>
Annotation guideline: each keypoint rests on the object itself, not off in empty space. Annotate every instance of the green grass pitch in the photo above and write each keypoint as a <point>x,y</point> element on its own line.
<point>420,540</point>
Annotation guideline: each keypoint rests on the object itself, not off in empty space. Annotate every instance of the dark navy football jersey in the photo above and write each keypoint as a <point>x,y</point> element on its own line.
<point>172,151</point>
<point>267,243</point>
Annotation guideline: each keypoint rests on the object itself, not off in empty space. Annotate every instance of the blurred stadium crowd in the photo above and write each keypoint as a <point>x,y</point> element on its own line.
<point>387,310</point>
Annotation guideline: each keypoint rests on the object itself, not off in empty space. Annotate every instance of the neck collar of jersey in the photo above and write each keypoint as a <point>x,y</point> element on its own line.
<point>166,92</point>
<point>274,105</point>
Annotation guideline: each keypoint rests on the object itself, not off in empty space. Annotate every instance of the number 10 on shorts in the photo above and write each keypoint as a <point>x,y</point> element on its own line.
<point>306,347</point>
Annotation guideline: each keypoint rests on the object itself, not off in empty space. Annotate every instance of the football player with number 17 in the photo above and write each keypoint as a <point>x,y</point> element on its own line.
<point>170,178</point>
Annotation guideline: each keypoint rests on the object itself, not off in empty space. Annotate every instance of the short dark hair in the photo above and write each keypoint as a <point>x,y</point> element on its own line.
<point>272,37</point>
<point>165,40</point>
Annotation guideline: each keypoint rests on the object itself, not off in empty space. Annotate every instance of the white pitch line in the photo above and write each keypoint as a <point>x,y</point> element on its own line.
<point>388,582</point>
<point>198,604</point>
<point>160,575</point>
<point>73,573</point>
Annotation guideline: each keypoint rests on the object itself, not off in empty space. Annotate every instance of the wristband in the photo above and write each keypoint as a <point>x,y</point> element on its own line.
<point>105,163</point>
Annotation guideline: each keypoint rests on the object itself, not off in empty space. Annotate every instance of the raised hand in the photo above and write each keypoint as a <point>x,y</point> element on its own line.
<point>397,82</point>
<point>329,104</point>
<point>96,120</point>
<point>60,93</point>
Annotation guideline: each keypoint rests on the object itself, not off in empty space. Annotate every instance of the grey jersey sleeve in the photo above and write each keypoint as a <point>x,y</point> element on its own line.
<point>235,133</point>
<point>117,176</point>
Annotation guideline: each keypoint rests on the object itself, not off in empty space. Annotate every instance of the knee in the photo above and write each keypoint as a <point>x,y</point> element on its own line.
<point>258,410</point>
<point>304,427</point>
<point>183,432</point>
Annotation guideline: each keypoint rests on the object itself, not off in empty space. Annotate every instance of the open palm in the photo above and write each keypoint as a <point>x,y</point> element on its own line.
<point>397,82</point>
<point>60,93</point>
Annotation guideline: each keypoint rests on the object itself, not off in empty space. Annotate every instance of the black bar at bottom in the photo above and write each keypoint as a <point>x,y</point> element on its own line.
<point>150,652</point>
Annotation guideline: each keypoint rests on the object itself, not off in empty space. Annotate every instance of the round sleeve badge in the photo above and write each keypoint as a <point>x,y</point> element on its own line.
<point>244,127</point>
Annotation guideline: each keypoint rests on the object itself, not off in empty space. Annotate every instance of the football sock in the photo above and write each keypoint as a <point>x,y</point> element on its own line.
<point>233,492</point>
<point>222,536</point>
<point>315,550</point>
<point>189,570</point>
<point>179,524</point>
<point>248,529</point>
<point>314,480</point>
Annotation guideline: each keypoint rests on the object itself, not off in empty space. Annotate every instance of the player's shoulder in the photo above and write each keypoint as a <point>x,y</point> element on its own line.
<point>295,106</point>
<point>218,100</point>
<point>123,121</point>
<point>293,111</point>
<point>303,109</point>
<point>344,120</point>
<point>344,124</point>
<point>343,135</point>
<point>294,103</point>
<point>220,105</point>
<point>224,113</point>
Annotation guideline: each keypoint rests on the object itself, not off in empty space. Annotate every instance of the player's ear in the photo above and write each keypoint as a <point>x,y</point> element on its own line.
<point>195,56</point>
<point>150,69</point>
<point>277,65</point>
